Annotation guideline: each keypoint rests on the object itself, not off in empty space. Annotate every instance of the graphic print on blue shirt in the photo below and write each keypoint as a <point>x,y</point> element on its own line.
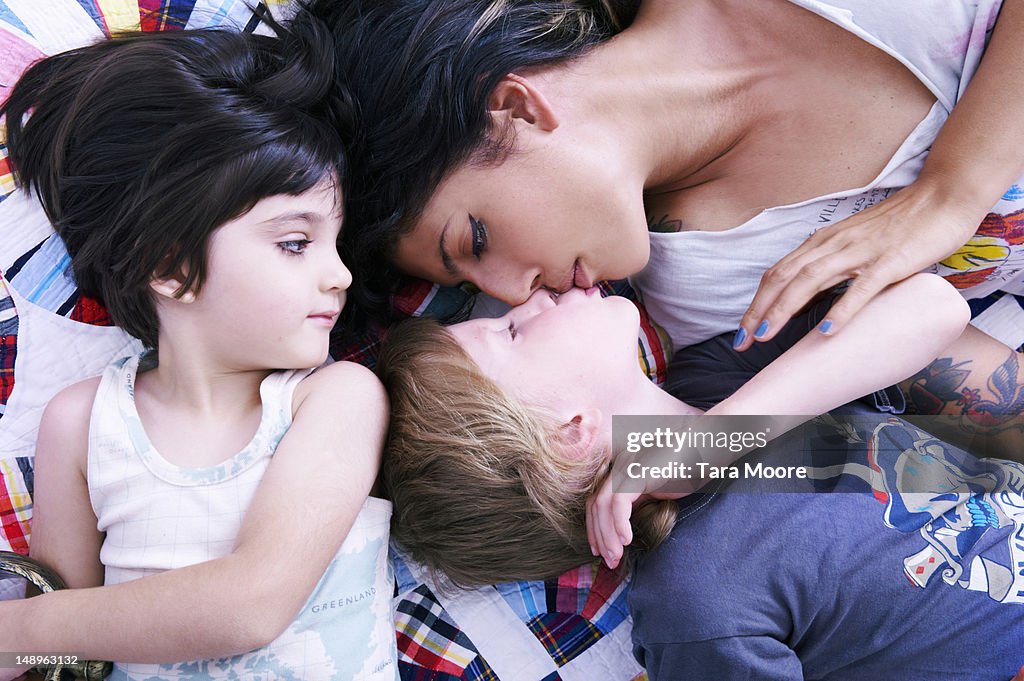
<point>969,512</point>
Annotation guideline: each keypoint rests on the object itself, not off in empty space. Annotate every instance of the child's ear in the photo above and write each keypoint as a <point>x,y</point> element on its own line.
<point>169,286</point>
<point>581,432</point>
<point>515,98</point>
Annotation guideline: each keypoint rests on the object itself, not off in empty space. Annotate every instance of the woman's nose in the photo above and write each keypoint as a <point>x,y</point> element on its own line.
<point>515,288</point>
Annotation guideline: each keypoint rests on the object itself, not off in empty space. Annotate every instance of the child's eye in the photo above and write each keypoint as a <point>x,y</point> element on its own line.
<point>512,330</point>
<point>478,232</point>
<point>294,247</point>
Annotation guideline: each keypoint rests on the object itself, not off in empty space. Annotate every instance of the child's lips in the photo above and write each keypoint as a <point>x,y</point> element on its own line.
<point>326,318</point>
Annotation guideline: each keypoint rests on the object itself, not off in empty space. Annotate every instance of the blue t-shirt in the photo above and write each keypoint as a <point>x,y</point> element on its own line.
<point>875,583</point>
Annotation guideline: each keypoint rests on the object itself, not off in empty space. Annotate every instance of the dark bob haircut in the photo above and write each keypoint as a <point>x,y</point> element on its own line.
<point>140,146</point>
<point>421,71</point>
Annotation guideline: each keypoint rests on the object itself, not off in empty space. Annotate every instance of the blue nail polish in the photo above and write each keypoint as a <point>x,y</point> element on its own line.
<point>825,326</point>
<point>761,330</point>
<point>738,339</point>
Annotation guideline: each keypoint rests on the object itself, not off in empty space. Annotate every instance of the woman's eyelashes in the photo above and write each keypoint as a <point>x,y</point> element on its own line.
<point>512,330</point>
<point>294,246</point>
<point>478,234</point>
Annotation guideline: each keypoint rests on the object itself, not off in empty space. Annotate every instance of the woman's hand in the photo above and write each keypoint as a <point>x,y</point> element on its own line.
<point>886,243</point>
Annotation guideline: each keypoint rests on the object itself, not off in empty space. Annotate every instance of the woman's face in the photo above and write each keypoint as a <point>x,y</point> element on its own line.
<point>551,217</point>
<point>576,350</point>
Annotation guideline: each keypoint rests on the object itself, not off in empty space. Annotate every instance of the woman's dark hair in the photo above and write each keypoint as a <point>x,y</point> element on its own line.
<point>142,145</point>
<point>421,72</point>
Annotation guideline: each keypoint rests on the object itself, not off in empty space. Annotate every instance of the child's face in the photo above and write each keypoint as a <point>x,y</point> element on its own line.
<point>576,350</point>
<point>275,283</point>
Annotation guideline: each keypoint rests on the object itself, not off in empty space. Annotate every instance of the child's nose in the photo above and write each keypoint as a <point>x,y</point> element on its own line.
<point>338,276</point>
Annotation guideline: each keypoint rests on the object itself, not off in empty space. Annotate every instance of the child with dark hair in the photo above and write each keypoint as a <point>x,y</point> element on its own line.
<point>195,179</point>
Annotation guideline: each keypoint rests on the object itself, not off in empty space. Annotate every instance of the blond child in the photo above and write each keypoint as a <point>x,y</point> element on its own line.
<point>502,428</point>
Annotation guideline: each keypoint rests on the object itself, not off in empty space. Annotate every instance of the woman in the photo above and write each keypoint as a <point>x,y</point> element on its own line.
<point>518,145</point>
<point>501,426</point>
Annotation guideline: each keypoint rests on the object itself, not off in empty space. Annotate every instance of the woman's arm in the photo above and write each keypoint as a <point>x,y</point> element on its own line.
<point>312,491</point>
<point>975,157</point>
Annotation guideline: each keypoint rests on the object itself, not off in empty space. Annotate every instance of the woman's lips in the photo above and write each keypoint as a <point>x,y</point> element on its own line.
<point>579,276</point>
<point>575,277</point>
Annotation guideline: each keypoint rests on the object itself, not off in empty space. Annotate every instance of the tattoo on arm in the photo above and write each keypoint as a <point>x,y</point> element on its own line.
<point>942,384</point>
<point>988,409</point>
<point>663,224</point>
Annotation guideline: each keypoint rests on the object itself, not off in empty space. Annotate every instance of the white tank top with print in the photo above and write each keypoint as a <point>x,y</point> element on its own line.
<point>158,516</point>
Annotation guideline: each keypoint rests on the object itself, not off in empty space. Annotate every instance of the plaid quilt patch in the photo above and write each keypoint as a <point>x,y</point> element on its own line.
<point>8,352</point>
<point>15,504</point>
<point>570,613</point>
<point>164,15</point>
<point>431,647</point>
<point>567,619</point>
<point>8,344</point>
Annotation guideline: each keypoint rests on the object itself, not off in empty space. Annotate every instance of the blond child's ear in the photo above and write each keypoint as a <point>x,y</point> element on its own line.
<point>168,287</point>
<point>580,434</point>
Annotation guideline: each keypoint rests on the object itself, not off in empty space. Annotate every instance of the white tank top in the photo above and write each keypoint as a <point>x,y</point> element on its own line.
<point>158,516</point>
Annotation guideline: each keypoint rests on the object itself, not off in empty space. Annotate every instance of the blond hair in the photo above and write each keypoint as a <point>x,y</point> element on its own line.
<point>483,488</point>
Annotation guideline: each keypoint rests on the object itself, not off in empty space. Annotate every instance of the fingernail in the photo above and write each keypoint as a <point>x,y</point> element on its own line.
<point>825,326</point>
<point>593,551</point>
<point>624,540</point>
<point>738,339</point>
<point>761,330</point>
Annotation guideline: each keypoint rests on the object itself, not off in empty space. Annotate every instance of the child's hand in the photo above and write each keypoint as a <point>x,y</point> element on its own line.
<point>608,529</point>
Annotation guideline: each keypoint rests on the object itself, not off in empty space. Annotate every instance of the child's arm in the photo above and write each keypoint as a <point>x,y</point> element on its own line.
<point>316,484</point>
<point>64,535</point>
<point>900,330</point>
